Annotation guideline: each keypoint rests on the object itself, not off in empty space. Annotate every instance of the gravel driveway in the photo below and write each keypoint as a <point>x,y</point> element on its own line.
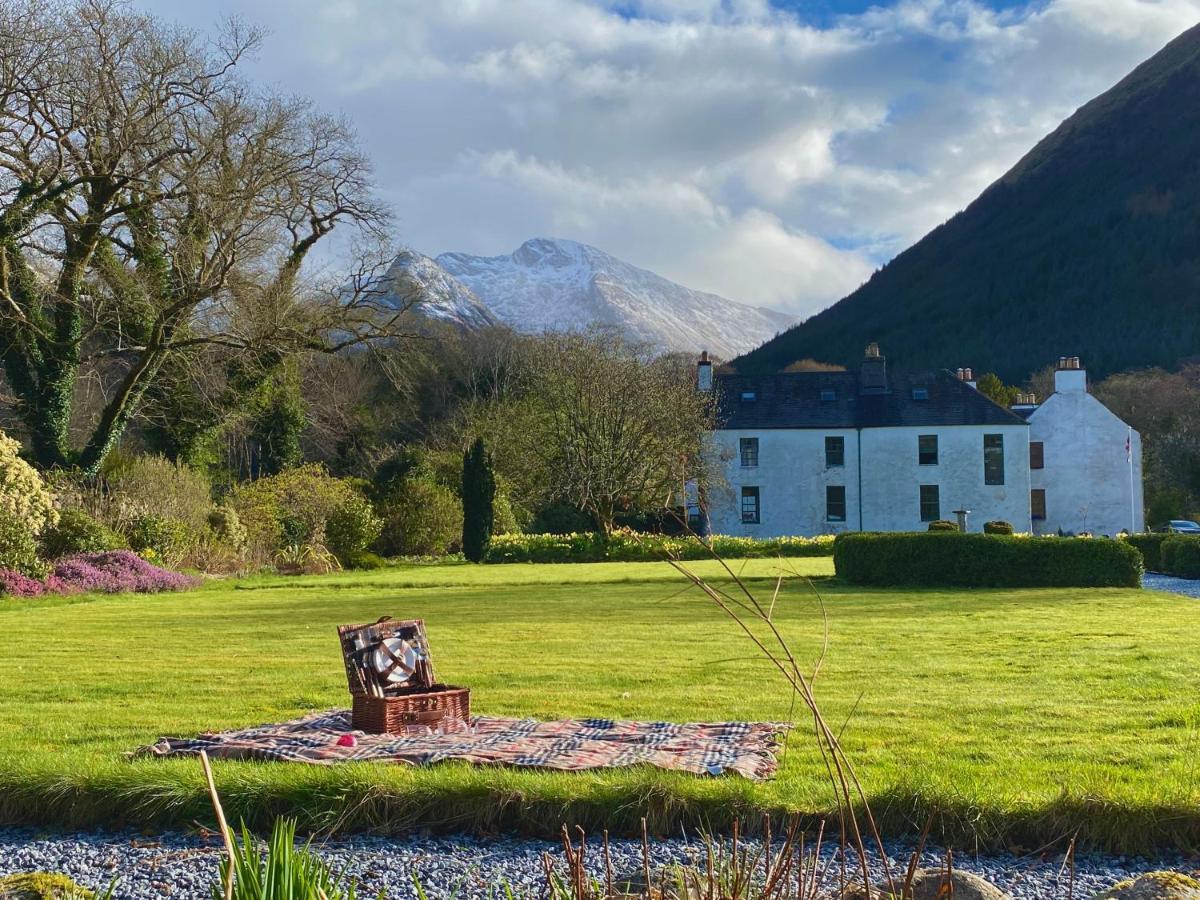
<point>177,865</point>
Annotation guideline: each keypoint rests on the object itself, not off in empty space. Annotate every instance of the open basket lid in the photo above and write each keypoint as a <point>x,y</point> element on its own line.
<point>388,656</point>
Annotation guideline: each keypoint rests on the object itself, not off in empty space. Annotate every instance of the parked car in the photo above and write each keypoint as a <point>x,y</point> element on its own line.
<point>1183,526</point>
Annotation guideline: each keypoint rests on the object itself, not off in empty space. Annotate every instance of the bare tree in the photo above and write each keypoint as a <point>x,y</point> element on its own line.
<point>153,205</point>
<point>614,427</point>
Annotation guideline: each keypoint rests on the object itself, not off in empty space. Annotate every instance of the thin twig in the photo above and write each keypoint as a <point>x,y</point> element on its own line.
<point>221,823</point>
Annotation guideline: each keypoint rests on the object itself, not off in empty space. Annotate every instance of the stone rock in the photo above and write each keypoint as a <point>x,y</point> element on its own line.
<point>41,886</point>
<point>930,884</point>
<point>1154,886</point>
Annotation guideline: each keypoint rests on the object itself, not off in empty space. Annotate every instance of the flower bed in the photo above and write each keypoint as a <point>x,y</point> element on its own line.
<point>112,572</point>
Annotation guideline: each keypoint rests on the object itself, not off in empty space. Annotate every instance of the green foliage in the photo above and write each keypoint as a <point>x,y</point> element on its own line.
<point>279,416</point>
<point>24,497</point>
<point>226,526</point>
<point>478,501</point>
<point>985,560</point>
<point>561,518</point>
<point>943,525</point>
<point>365,560</point>
<point>990,385</point>
<point>627,546</point>
<point>281,870</point>
<point>352,527</point>
<point>165,535</point>
<point>45,886</point>
<point>998,526</point>
<point>153,485</point>
<point>78,532</point>
<point>291,508</point>
<point>19,548</point>
<point>420,519</point>
<point>1149,545</point>
<point>1180,555</point>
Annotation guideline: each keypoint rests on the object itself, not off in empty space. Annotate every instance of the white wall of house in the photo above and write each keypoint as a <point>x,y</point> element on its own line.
<point>1089,483</point>
<point>792,477</point>
<point>892,476</point>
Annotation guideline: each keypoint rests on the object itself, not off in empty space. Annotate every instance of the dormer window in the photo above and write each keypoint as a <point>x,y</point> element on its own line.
<point>828,395</point>
<point>920,393</point>
<point>749,396</point>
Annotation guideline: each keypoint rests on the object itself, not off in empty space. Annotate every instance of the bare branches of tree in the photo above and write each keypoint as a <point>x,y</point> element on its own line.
<point>152,204</point>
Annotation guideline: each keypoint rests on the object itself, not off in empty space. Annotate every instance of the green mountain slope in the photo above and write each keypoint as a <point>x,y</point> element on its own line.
<point>1089,246</point>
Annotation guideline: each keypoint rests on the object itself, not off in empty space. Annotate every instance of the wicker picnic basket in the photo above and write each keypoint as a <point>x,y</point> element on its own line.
<point>391,678</point>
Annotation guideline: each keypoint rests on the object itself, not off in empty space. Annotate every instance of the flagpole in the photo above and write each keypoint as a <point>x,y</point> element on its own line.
<point>1132,493</point>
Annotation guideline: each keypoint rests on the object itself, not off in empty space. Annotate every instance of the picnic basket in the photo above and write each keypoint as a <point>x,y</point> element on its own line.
<point>392,682</point>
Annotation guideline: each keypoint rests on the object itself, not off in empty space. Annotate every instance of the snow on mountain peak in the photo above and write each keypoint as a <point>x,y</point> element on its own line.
<point>552,284</point>
<point>438,294</point>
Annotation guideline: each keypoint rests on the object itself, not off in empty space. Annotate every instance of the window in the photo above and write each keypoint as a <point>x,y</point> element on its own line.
<point>749,452</point>
<point>750,506</point>
<point>927,449</point>
<point>828,396</point>
<point>835,503</point>
<point>931,503</point>
<point>920,393</point>
<point>1037,503</point>
<point>835,451</point>
<point>993,459</point>
<point>749,396</point>
<point>1037,455</point>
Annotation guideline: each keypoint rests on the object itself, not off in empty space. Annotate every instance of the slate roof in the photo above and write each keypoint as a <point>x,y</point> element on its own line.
<point>793,400</point>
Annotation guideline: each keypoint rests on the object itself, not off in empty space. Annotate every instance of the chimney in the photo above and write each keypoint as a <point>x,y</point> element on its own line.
<point>704,375</point>
<point>1070,377</point>
<point>872,374</point>
<point>1026,401</point>
<point>966,375</point>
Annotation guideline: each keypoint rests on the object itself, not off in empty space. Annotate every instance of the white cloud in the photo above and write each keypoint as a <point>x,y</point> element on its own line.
<point>723,143</point>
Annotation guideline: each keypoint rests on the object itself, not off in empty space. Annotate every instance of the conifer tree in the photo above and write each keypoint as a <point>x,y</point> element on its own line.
<point>478,496</point>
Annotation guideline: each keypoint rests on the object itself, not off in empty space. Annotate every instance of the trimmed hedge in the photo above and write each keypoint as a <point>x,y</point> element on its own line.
<point>943,525</point>
<point>1180,556</point>
<point>985,560</point>
<point>999,526</point>
<point>624,546</point>
<point>1150,546</point>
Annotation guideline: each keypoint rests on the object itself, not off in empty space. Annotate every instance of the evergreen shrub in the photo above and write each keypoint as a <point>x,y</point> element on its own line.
<point>78,532</point>
<point>998,526</point>
<point>1150,546</point>
<point>628,546</point>
<point>1180,556</point>
<point>984,560</point>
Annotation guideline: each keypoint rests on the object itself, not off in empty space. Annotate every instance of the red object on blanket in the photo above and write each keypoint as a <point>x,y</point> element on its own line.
<point>347,740</point>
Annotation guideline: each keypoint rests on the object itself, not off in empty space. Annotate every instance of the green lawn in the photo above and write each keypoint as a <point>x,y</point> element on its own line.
<point>1022,717</point>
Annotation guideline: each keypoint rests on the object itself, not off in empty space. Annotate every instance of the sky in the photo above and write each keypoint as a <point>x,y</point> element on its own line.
<point>773,153</point>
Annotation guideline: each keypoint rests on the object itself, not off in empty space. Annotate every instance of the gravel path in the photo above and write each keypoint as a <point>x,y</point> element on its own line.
<point>1189,587</point>
<point>176,865</point>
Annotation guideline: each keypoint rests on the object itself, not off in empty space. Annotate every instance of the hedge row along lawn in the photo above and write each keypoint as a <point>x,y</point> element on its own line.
<point>1022,717</point>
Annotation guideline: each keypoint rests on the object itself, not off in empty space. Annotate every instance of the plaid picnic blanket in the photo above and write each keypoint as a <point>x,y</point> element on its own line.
<point>745,748</point>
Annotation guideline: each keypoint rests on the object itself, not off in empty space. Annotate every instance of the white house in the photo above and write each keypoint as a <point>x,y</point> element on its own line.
<point>825,452</point>
<point>1085,463</point>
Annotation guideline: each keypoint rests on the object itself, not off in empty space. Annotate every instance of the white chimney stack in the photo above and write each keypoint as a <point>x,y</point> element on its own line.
<point>1070,377</point>
<point>704,373</point>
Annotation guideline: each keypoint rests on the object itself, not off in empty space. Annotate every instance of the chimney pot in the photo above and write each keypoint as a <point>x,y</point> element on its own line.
<point>872,351</point>
<point>704,373</point>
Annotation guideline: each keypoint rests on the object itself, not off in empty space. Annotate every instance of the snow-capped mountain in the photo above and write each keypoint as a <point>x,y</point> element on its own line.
<point>559,285</point>
<point>438,295</point>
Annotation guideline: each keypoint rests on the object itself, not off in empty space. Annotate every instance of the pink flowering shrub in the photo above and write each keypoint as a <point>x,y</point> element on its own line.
<point>110,573</point>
